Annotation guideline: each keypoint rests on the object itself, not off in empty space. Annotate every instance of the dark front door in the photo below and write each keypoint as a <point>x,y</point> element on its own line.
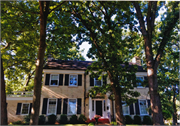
<point>99,108</point>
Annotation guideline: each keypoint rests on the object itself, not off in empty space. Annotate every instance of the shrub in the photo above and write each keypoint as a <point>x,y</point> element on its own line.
<point>17,123</point>
<point>73,119</point>
<point>27,120</point>
<point>51,119</point>
<point>113,123</point>
<point>128,119</point>
<point>137,119</point>
<point>91,124</point>
<point>63,119</point>
<point>82,119</point>
<point>147,120</point>
<point>42,120</point>
<point>166,114</point>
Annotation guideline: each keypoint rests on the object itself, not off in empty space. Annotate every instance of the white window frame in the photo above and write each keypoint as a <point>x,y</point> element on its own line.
<point>68,106</point>
<point>22,108</point>
<point>143,80</point>
<point>127,107</point>
<point>98,80</point>
<point>69,80</point>
<point>57,79</point>
<point>48,107</point>
<point>140,107</point>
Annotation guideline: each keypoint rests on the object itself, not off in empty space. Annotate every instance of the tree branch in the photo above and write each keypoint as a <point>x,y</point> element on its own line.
<point>57,6</point>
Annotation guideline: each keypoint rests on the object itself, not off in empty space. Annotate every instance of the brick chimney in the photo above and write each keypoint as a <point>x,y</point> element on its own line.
<point>136,60</point>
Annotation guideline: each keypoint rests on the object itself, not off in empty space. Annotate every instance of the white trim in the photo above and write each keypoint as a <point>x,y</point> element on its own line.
<point>68,106</point>
<point>56,71</point>
<point>146,106</point>
<point>57,79</point>
<point>22,108</point>
<point>20,98</point>
<point>76,82</point>
<point>141,74</point>
<point>48,107</point>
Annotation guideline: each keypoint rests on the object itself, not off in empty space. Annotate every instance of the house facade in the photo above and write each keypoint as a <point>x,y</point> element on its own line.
<point>65,91</point>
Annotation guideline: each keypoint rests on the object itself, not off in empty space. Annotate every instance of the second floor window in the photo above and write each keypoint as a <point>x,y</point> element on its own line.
<point>73,80</point>
<point>97,82</point>
<point>54,79</point>
<point>141,79</point>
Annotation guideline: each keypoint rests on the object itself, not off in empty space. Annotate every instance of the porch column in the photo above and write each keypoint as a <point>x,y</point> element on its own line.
<point>90,108</point>
<point>109,110</point>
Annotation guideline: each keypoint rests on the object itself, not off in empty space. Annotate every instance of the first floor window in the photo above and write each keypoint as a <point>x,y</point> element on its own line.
<point>54,79</point>
<point>125,108</point>
<point>143,107</point>
<point>73,80</point>
<point>52,106</point>
<point>25,108</point>
<point>97,82</point>
<point>72,107</point>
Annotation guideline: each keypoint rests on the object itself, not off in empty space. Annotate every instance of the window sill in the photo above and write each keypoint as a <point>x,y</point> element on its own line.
<point>24,114</point>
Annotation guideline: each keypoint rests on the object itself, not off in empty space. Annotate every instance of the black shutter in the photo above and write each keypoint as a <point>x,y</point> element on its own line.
<point>59,106</point>
<point>137,108</point>
<point>146,80</point>
<point>60,79</point>
<point>79,80</point>
<point>131,107</point>
<point>47,79</point>
<point>44,107</point>
<point>18,111</point>
<point>91,81</point>
<point>65,103</point>
<point>104,80</point>
<point>79,106</point>
<point>149,106</point>
<point>66,79</point>
<point>30,108</point>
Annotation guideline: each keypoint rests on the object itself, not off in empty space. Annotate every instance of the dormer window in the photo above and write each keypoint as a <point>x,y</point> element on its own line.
<point>73,80</point>
<point>54,79</point>
<point>97,82</point>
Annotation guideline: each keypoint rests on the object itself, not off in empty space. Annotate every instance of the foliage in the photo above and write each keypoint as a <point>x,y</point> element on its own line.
<point>137,120</point>
<point>63,119</point>
<point>52,119</point>
<point>167,115</point>
<point>91,124</point>
<point>147,120</point>
<point>113,123</point>
<point>27,119</point>
<point>82,119</point>
<point>17,123</point>
<point>42,120</point>
<point>73,119</point>
<point>128,119</point>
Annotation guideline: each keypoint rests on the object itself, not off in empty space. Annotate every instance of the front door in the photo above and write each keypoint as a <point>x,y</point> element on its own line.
<point>99,108</point>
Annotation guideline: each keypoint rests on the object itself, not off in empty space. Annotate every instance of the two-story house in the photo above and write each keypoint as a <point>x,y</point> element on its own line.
<point>65,91</point>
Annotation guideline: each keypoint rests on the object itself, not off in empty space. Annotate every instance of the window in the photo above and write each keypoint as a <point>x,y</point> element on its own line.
<point>72,106</point>
<point>25,108</point>
<point>125,108</point>
<point>139,84</point>
<point>143,107</point>
<point>51,107</point>
<point>97,82</point>
<point>73,80</point>
<point>54,79</point>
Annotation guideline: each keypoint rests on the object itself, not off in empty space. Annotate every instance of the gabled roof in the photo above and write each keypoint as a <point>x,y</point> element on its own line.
<point>75,65</point>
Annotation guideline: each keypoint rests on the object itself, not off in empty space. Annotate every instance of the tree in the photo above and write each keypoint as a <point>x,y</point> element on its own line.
<point>102,24</point>
<point>152,60</point>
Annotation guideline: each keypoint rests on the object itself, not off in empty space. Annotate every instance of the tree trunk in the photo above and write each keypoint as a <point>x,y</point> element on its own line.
<point>3,98</point>
<point>174,107</point>
<point>157,116</point>
<point>118,105</point>
<point>39,62</point>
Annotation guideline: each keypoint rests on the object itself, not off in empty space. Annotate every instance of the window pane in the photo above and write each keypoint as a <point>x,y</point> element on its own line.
<point>25,109</point>
<point>73,80</point>
<point>54,79</point>
<point>52,106</point>
<point>97,82</point>
<point>141,79</point>
<point>125,108</point>
<point>72,106</point>
<point>143,107</point>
